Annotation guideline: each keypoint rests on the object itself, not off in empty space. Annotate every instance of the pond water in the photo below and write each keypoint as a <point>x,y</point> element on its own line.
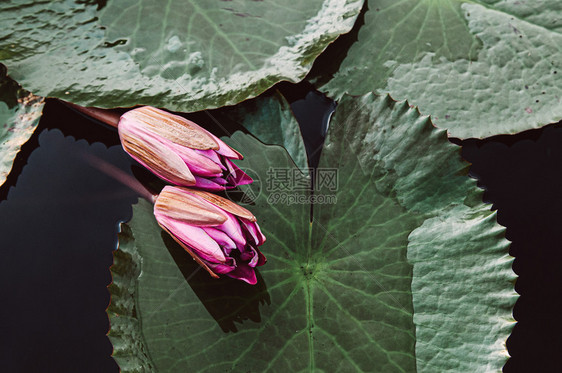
<point>522,178</point>
<point>59,227</point>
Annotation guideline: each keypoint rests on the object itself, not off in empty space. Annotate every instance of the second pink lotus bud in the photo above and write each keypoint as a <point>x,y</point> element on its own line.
<point>220,235</point>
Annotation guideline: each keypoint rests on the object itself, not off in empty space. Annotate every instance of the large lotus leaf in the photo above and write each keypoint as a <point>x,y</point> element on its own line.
<point>478,69</point>
<point>401,269</point>
<point>20,111</point>
<point>183,55</point>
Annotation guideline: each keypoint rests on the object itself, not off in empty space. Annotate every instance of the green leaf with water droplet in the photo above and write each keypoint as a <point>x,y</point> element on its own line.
<point>402,268</point>
<point>182,55</point>
<point>479,68</point>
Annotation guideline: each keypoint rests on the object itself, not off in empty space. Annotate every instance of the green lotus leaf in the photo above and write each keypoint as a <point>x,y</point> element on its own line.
<point>183,55</point>
<point>20,112</point>
<point>400,267</point>
<point>256,116</point>
<point>480,68</point>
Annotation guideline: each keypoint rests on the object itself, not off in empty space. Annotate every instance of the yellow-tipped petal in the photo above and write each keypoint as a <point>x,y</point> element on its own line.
<point>225,204</point>
<point>176,203</point>
<point>158,158</point>
<point>172,127</point>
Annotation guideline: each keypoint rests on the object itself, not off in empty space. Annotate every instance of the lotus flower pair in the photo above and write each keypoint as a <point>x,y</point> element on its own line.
<point>220,235</point>
<point>179,151</point>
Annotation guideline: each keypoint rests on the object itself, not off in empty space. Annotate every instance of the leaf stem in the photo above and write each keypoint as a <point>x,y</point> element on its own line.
<point>120,176</point>
<point>107,116</point>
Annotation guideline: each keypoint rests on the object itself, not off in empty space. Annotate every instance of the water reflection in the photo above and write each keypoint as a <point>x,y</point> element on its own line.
<point>229,301</point>
<point>152,183</point>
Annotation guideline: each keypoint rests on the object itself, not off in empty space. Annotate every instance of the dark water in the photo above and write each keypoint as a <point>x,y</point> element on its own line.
<point>60,220</point>
<point>522,175</point>
<point>59,227</point>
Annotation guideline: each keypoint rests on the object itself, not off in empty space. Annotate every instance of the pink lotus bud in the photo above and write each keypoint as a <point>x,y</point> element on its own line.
<point>220,235</point>
<point>178,150</point>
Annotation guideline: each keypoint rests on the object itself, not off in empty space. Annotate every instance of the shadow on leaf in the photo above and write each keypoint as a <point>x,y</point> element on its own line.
<point>226,299</point>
